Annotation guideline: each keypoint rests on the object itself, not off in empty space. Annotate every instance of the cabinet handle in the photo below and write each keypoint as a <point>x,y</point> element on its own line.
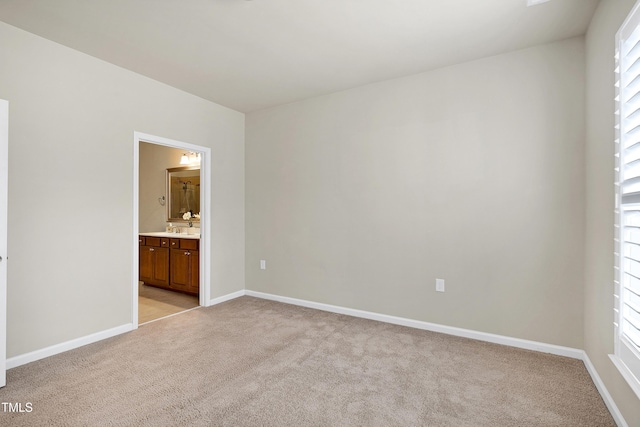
<point>187,253</point>
<point>151,249</point>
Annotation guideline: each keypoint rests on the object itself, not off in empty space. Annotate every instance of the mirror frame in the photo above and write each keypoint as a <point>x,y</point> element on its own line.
<point>169,172</point>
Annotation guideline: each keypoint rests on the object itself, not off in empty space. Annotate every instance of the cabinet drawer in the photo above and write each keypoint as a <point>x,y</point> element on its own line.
<point>189,244</point>
<point>152,241</point>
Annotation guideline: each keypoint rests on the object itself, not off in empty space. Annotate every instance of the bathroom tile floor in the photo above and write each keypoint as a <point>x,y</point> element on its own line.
<point>155,303</point>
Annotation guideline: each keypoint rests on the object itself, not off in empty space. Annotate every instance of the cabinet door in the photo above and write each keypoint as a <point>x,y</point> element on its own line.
<point>194,272</point>
<point>154,265</point>
<point>146,264</point>
<point>161,266</point>
<point>180,269</point>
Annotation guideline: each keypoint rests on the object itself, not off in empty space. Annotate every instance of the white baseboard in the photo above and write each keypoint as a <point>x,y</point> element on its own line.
<point>227,297</point>
<point>434,327</point>
<point>608,400</point>
<point>66,346</point>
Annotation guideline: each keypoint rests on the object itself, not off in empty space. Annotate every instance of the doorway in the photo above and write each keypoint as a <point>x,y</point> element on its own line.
<point>157,241</point>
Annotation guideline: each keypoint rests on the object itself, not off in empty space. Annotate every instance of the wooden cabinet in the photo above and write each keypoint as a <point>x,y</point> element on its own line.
<point>170,263</point>
<point>185,266</point>
<point>154,261</point>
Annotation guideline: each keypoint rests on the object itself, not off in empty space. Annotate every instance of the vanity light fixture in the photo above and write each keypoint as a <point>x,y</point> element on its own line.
<point>190,158</point>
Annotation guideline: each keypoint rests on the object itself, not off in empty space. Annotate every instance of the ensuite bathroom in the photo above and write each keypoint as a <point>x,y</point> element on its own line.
<point>168,231</point>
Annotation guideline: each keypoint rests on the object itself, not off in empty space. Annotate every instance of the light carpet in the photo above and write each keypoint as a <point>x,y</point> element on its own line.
<point>252,362</point>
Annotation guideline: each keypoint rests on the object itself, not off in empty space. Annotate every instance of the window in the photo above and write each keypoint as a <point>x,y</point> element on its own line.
<point>627,151</point>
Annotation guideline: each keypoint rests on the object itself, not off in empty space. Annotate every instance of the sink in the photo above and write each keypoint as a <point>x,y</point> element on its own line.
<point>190,233</point>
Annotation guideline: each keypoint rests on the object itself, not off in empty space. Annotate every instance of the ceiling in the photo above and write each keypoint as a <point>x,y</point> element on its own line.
<point>250,55</point>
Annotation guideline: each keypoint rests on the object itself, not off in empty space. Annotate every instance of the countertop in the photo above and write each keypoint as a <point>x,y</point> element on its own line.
<point>172,235</point>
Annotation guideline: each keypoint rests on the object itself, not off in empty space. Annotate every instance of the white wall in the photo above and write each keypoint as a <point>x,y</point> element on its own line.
<point>471,173</point>
<point>72,120</point>
<point>598,291</point>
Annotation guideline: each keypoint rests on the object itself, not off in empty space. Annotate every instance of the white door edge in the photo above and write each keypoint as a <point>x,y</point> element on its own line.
<point>4,183</point>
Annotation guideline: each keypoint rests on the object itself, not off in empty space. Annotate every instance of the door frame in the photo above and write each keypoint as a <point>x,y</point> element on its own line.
<point>205,203</point>
<point>4,203</point>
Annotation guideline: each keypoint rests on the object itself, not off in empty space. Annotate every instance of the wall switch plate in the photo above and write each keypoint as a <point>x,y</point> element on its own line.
<point>440,285</point>
<point>263,264</point>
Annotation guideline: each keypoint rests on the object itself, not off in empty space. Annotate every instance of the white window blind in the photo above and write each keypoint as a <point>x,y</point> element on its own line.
<point>627,151</point>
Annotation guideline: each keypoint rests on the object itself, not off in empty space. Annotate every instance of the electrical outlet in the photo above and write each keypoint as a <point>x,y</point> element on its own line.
<point>440,285</point>
<point>263,264</point>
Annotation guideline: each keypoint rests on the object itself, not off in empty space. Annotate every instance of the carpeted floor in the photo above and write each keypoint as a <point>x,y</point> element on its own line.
<point>251,362</point>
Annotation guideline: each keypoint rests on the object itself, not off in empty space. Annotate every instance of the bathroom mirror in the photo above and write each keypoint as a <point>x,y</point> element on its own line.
<point>183,190</point>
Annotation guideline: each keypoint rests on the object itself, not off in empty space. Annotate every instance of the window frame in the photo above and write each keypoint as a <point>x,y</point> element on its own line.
<point>626,355</point>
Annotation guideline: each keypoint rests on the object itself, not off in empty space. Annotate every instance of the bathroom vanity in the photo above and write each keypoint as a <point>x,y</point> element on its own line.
<point>170,261</point>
